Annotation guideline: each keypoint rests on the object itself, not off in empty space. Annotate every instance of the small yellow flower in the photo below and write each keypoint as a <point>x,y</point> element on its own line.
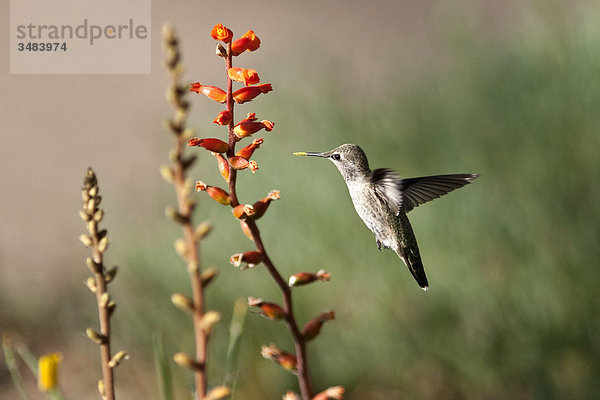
<point>48,371</point>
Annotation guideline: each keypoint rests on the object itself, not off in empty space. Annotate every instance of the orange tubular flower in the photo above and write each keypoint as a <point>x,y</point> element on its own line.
<point>247,128</point>
<point>267,310</point>
<point>218,194</point>
<point>247,151</point>
<point>248,76</point>
<point>243,211</point>
<point>250,258</point>
<point>240,45</point>
<point>261,206</point>
<point>224,118</point>
<point>210,144</point>
<point>238,162</point>
<point>275,354</point>
<point>313,327</point>
<point>254,40</point>
<point>220,32</point>
<point>249,92</point>
<point>212,92</point>
<point>304,278</point>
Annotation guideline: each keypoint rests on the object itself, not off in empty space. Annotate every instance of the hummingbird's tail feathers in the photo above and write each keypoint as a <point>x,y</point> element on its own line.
<point>412,260</point>
<point>416,191</point>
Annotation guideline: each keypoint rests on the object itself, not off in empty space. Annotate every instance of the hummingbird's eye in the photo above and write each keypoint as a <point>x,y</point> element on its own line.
<point>336,156</point>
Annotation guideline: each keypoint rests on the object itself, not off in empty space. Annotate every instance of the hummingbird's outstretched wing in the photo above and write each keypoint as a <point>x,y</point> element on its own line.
<point>406,194</point>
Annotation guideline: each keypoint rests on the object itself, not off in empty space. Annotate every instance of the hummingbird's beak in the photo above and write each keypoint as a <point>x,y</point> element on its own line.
<point>309,153</point>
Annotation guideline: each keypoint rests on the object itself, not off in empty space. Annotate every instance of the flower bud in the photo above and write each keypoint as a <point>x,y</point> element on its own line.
<point>275,354</point>
<point>332,393</point>
<point>212,92</point>
<point>209,320</point>
<point>210,144</point>
<point>246,230</point>
<point>247,76</point>
<point>117,358</point>
<point>223,166</point>
<point>183,302</point>
<point>247,151</point>
<point>267,310</point>
<point>220,50</point>
<point>187,362</point>
<point>220,32</point>
<point>208,275</point>
<point>95,337</point>
<point>224,118</point>
<point>313,327</point>
<point>303,278</point>
<point>251,258</point>
<point>247,128</point>
<point>202,230</point>
<point>250,92</point>
<point>218,194</point>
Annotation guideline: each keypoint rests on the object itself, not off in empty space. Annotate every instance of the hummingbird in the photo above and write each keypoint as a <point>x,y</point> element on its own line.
<point>382,201</point>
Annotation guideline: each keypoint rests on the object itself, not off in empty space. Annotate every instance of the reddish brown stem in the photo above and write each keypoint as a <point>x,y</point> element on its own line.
<point>300,346</point>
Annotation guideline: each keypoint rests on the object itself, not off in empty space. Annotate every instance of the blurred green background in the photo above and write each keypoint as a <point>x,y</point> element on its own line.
<point>510,91</point>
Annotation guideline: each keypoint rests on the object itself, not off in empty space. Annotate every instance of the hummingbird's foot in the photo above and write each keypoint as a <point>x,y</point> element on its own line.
<point>378,244</point>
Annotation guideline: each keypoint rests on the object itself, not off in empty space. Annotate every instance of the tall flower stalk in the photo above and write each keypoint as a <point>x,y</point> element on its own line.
<point>97,240</point>
<point>188,247</point>
<point>230,162</point>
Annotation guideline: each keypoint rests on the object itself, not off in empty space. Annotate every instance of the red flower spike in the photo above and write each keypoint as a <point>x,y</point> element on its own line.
<point>218,194</point>
<point>248,76</point>
<point>223,166</point>
<point>247,128</point>
<point>275,354</point>
<point>210,144</point>
<point>224,118</point>
<point>238,162</point>
<point>261,206</point>
<point>249,92</point>
<point>247,151</point>
<point>240,45</point>
<point>304,278</point>
<point>313,327</point>
<point>212,92</point>
<point>332,393</point>
<point>267,310</point>
<point>254,40</point>
<point>220,32</point>
<point>250,258</point>
<point>246,230</point>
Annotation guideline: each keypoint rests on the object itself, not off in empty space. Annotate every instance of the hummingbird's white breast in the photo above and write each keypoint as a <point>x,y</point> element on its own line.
<point>374,213</point>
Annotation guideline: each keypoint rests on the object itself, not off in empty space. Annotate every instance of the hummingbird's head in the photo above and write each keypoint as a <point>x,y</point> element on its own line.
<point>349,159</point>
